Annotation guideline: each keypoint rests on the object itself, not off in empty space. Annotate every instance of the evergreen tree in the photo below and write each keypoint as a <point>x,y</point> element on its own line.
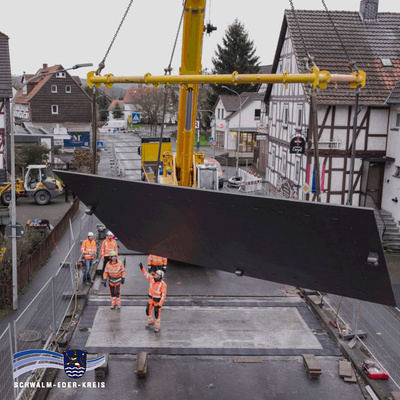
<point>236,54</point>
<point>118,113</point>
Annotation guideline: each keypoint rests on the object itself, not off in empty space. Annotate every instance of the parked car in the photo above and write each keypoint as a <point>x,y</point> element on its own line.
<point>113,126</point>
<point>221,176</point>
<point>235,182</point>
<point>374,370</point>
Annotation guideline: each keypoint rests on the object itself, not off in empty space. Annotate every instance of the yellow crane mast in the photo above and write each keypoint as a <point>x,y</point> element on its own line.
<point>190,76</point>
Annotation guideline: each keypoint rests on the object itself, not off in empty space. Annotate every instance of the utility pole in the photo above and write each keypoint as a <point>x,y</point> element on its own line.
<point>314,127</point>
<point>353,151</point>
<point>94,133</point>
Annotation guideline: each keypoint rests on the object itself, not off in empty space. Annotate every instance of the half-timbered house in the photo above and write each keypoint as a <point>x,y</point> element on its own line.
<point>332,38</point>
<point>5,99</point>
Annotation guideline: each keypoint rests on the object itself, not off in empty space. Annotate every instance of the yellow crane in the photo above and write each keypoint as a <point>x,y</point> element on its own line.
<point>182,165</point>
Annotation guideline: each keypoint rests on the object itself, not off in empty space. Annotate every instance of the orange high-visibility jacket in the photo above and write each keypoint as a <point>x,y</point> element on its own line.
<point>157,290</point>
<point>89,248</point>
<point>114,271</point>
<point>156,260</point>
<point>107,246</point>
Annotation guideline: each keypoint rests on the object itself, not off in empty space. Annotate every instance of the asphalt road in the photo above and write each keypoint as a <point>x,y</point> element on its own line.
<point>28,209</point>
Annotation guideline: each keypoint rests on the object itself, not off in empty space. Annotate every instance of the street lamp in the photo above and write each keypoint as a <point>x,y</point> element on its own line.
<point>238,136</point>
<point>13,191</point>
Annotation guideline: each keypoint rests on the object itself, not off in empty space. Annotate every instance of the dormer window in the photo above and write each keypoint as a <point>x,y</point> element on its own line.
<point>53,88</point>
<point>61,75</point>
<point>386,62</point>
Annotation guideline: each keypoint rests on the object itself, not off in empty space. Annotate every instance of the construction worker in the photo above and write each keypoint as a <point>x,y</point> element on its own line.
<point>109,244</point>
<point>115,273</point>
<point>88,252</point>
<point>157,295</point>
<point>155,263</point>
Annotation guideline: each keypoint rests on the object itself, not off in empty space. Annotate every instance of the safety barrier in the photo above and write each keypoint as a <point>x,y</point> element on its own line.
<point>41,322</point>
<point>28,268</point>
<point>382,325</point>
<point>252,183</point>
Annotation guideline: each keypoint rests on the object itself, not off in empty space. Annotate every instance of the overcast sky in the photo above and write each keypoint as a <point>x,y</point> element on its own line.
<point>80,31</point>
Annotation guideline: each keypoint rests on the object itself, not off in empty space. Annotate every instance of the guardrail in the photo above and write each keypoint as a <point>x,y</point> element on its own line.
<point>40,324</point>
<point>381,325</point>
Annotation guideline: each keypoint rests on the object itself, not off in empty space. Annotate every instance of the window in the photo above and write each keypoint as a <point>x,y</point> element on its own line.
<point>60,75</point>
<point>257,113</point>
<point>68,89</point>
<point>219,111</point>
<point>284,164</point>
<point>285,116</point>
<point>54,109</point>
<point>397,120</point>
<point>273,158</point>
<point>297,171</point>
<point>222,113</point>
<point>53,88</point>
<point>386,62</point>
<point>299,120</point>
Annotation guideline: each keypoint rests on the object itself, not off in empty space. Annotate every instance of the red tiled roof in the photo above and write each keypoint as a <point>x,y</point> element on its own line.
<point>40,81</point>
<point>113,104</point>
<point>132,93</point>
<point>365,42</point>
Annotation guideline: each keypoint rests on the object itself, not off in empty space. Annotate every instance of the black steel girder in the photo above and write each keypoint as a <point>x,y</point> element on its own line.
<point>330,248</point>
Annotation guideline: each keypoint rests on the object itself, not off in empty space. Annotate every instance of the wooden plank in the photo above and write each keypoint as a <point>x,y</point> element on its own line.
<point>395,395</point>
<point>141,364</point>
<point>247,360</point>
<point>371,393</point>
<point>345,369</point>
<point>102,370</point>
<point>311,364</point>
<point>315,299</point>
<point>352,378</point>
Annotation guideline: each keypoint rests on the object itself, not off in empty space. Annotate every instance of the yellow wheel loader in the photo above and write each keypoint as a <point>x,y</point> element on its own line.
<point>40,183</point>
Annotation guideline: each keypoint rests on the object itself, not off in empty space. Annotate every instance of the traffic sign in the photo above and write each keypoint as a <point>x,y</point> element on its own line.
<point>100,145</point>
<point>135,118</point>
<point>18,231</point>
<point>211,139</point>
<point>213,143</point>
<point>306,188</point>
<point>197,124</point>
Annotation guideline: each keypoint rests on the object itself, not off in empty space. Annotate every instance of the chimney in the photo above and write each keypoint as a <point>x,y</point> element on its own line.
<point>44,66</point>
<point>369,10</point>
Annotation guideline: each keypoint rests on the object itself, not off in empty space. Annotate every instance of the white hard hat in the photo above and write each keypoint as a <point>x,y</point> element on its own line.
<point>160,272</point>
<point>90,234</point>
<point>109,233</point>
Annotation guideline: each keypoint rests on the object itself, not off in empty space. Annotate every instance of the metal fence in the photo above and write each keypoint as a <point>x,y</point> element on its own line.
<point>40,325</point>
<point>382,325</point>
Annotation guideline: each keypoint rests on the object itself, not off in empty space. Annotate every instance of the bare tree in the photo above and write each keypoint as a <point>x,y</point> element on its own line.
<point>150,102</point>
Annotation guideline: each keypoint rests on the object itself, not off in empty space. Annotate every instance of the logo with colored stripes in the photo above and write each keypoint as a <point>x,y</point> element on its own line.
<point>73,362</point>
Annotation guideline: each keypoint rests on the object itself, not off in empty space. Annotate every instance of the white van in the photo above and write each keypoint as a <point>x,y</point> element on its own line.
<point>113,125</point>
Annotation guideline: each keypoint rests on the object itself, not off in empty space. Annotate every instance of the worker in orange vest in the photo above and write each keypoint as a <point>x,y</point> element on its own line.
<point>157,295</point>
<point>88,252</point>
<point>109,244</point>
<point>115,273</point>
<point>155,263</point>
